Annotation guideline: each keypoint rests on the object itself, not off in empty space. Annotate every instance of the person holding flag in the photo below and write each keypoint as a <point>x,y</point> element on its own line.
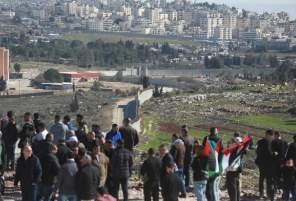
<point>234,169</point>
<point>219,160</point>
<point>213,151</point>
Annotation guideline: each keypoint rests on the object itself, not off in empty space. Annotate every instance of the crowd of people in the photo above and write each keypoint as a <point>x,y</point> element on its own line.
<point>67,161</point>
<point>277,168</point>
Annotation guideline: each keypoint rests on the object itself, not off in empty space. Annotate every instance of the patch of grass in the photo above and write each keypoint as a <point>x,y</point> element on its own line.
<point>155,137</point>
<point>116,37</point>
<point>286,124</point>
<point>200,134</point>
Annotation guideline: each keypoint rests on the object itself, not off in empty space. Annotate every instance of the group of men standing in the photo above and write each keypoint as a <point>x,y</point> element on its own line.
<point>276,163</point>
<point>66,161</point>
<point>77,163</point>
<point>171,168</point>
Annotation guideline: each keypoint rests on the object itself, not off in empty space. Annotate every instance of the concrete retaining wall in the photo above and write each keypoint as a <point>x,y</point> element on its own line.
<point>131,108</point>
<point>144,96</point>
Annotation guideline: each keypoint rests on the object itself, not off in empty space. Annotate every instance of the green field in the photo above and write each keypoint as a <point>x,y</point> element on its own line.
<point>280,123</point>
<point>154,136</point>
<point>45,65</point>
<point>112,37</point>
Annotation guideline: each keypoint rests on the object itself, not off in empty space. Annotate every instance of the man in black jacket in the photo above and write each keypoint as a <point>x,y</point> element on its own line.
<point>27,132</point>
<point>63,151</point>
<point>291,152</point>
<point>10,135</point>
<point>129,135</point>
<point>266,163</point>
<point>50,166</point>
<point>67,179</point>
<point>170,184</point>
<point>121,164</point>
<point>28,172</point>
<point>87,179</point>
<point>41,148</point>
<point>165,157</point>
<point>150,170</point>
<point>279,149</point>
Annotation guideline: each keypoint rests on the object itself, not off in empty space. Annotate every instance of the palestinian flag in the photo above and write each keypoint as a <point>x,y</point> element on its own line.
<point>232,154</point>
<point>221,160</point>
<point>213,151</point>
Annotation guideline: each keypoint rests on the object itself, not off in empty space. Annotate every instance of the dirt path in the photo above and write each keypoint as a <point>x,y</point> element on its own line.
<point>118,110</point>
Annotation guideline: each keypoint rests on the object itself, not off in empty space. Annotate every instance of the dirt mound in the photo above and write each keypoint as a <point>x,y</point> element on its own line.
<point>169,127</point>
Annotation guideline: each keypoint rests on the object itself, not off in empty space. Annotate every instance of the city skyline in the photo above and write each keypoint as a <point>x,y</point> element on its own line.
<point>288,6</point>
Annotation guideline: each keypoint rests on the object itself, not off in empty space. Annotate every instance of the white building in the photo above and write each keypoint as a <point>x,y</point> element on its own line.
<point>127,11</point>
<point>254,34</point>
<point>154,15</point>
<point>293,27</point>
<point>107,24</point>
<point>173,15</point>
<point>212,23</point>
<point>95,25</point>
<point>142,22</point>
<point>106,14</point>
<point>157,30</point>
<point>187,16</point>
<point>72,8</point>
<point>141,12</point>
<point>83,11</point>
<point>230,21</point>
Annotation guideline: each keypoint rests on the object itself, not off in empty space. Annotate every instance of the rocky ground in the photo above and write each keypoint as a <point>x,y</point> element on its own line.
<point>248,180</point>
<point>95,106</point>
<point>223,109</point>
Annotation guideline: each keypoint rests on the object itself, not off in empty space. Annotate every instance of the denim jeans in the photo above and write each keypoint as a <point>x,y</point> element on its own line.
<point>187,176</point>
<point>200,190</point>
<point>287,192</point>
<point>45,192</point>
<point>180,174</point>
<point>63,197</point>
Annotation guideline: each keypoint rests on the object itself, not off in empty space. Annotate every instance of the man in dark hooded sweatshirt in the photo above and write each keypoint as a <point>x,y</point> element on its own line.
<point>279,149</point>
<point>266,162</point>
<point>151,173</point>
<point>170,183</point>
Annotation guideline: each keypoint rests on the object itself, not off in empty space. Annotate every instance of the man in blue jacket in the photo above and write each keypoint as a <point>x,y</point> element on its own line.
<point>114,135</point>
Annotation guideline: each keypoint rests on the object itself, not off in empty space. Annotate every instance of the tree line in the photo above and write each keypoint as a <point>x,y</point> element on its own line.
<point>98,52</point>
<point>247,60</point>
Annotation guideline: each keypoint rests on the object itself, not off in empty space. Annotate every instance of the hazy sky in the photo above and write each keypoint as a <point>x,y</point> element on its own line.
<point>260,5</point>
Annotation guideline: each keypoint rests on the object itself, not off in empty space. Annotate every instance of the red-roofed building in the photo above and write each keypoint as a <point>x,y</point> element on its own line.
<point>75,77</point>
